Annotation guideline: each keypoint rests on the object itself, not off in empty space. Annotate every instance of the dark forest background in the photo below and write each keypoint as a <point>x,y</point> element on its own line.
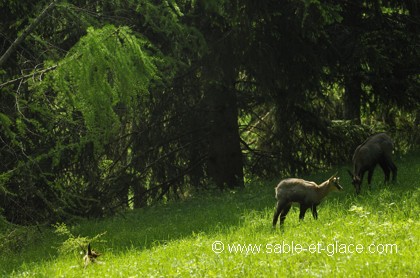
<point>114,104</point>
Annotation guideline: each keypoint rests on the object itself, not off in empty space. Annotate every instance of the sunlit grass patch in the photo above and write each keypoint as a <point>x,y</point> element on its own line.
<point>230,235</point>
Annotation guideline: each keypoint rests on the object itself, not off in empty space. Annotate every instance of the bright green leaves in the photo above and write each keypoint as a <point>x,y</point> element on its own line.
<point>104,76</point>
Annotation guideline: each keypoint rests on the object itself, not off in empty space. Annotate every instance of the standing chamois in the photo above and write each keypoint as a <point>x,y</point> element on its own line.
<point>307,193</point>
<point>377,149</point>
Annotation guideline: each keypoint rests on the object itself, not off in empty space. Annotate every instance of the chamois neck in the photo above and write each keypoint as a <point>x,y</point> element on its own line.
<point>324,188</point>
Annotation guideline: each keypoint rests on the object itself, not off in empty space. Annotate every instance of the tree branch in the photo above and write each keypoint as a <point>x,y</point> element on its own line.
<point>40,72</point>
<point>25,33</point>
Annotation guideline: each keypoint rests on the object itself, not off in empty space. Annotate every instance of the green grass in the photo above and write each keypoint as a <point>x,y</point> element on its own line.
<point>175,240</point>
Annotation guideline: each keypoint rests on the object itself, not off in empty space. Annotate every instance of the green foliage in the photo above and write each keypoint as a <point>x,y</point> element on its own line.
<point>182,43</point>
<point>4,178</point>
<point>74,245</point>
<point>96,116</point>
<point>5,124</point>
<point>14,238</point>
<point>109,69</point>
<point>317,14</point>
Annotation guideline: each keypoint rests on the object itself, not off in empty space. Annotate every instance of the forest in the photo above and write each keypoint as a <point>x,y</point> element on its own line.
<point>111,105</point>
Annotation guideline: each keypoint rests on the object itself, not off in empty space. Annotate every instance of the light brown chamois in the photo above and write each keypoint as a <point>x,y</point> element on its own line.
<point>377,149</point>
<point>307,193</point>
<point>90,256</point>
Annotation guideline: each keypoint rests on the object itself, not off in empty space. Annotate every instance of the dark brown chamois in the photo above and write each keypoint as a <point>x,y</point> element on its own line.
<point>377,149</point>
<point>307,193</point>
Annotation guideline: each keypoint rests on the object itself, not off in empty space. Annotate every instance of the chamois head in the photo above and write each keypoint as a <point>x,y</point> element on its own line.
<point>334,184</point>
<point>356,181</point>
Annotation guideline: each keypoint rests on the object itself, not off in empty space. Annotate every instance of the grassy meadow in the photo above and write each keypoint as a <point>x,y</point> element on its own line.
<point>230,235</point>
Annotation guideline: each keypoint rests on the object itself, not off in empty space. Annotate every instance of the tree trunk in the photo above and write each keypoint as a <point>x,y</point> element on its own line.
<point>352,18</point>
<point>225,164</point>
<point>352,98</point>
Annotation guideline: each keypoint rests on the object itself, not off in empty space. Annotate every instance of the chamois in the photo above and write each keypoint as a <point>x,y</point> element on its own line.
<point>90,256</point>
<point>307,193</point>
<point>377,149</point>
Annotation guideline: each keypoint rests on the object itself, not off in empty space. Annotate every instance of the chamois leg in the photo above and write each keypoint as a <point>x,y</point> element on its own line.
<point>279,209</point>
<point>370,174</point>
<point>303,209</point>
<point>284,213</point>
<point>391,166</point>
<point>386,170</point>
<point>358,185</point>
<point>394,170</point>
<point>314,212</point>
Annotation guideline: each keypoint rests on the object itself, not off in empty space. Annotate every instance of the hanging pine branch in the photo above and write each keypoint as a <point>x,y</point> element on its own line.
<point>109,67</point>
